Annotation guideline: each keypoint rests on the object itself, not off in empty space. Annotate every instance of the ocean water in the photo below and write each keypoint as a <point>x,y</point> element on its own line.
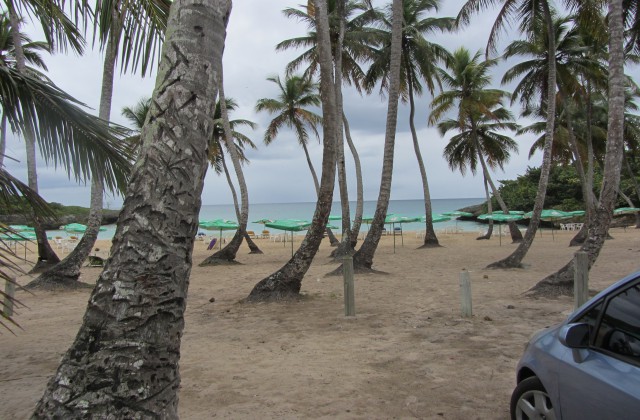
<point>305,211</point>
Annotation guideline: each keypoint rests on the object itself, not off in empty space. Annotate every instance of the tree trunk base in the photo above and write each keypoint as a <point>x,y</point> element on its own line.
<point>275,288</point>
<point>483,238</point>
<point>551,290</point>
<point>44,265</point>
<point>59,284</point>
<point>341,251</point>
<point>256,251</point>
<point>430,244</point>
<point>357,269</point>
<point>218,260</point>
<point>505,264</point>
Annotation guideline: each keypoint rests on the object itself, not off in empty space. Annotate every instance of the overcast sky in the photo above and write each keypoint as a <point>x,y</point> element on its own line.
<point>279,173</point>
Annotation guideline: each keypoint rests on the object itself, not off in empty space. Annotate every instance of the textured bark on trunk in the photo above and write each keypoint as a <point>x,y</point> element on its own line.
<point>363,258</point>
<point>430,238</point>
<point>124,361</point>
<point>47,258</point>
<point>3,138</point>
<point>561,282</point>
<point>357,218</point>
<point>489,211</point>
<point>67,272</point>
<point>286,282</point>
<point>515,259</point>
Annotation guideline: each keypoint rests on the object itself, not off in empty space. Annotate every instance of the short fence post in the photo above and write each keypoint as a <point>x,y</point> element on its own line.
<point>465,293</point>
<point>10,291</point>
<point>580,278</point>
<point>349,291</point>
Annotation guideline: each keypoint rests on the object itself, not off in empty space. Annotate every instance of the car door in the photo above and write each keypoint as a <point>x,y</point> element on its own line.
<point>603,381</point>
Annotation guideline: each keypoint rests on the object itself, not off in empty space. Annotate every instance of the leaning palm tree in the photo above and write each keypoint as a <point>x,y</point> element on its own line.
<point>135,314</point>
<point>286,282</point>
<point>363,258</point>
<point>348,28</point>
<point>467,80</point>
<point>419,64</point>
<point>135,28</point>
<point>528,13</point>
<point>296,94</point>
<point>226,137</point>
<point>562,280</point>
<point>474,141</point>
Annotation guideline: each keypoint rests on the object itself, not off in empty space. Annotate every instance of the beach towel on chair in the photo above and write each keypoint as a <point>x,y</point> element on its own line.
<point>212,243</point>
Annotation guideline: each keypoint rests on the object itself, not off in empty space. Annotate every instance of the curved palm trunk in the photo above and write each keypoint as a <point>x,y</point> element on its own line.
<point>561,282</point>
<point>47,258</point>
<point>332,238</point>
<point>67,272</point>
<point>286,282</point>
<point>489,211</point>
<point>3,138</point>
<point>357,218</point>
<point>636,185</point>
<point>124,361</point>
<point>516,235</point>
<point>227,255</point>
<point>515,259</point>
<point>430,238</point>
<point>346,245</point>
<point>363,258</point>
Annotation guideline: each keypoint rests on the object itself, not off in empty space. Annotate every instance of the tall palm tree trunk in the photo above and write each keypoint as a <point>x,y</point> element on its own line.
<point>286,282</point>
<point>561,282</point>
<point>3,138</point>
<point>489,232</point>
<point>430,238</point>
<point>357,218</point>
<point>363,258</point>
<point>515,259</point>
<point>227,255</point>
<point>66,273</point>
<point>47,258</point>
<point>346,245</point>
<point>124,361</point>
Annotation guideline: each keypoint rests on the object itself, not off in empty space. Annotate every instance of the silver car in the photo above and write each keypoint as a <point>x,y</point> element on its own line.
<point>587,367</point>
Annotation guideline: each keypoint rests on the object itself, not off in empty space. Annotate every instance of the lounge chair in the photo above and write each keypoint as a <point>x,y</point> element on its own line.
<point>212,243</point>
<point>251,234</point>
<point>266,234</point>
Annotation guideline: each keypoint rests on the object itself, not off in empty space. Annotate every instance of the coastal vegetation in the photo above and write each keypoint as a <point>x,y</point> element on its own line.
<point>581,102</point>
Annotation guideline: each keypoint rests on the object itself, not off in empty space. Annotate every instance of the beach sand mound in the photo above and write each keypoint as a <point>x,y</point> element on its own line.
<point>408,353</point>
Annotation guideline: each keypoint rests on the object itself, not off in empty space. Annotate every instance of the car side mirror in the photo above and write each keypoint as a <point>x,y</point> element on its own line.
<point>575,336</point>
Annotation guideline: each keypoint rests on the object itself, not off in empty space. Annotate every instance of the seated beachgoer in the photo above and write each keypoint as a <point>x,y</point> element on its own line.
<point>212,243</point>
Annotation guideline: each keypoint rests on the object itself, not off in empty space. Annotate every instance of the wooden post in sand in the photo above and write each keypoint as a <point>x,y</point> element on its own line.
<point>349,291</point>
<point>9,291</point>
<point>580,278</point>
<point>465,293</point>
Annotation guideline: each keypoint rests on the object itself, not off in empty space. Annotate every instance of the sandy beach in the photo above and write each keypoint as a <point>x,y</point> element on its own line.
<point>406,354</point>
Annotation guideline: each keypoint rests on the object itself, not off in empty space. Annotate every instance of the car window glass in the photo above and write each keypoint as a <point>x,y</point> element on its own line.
<point>619,330</point>
<point>591,318</point>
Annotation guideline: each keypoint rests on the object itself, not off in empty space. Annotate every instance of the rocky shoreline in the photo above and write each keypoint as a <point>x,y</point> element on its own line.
<point>108,217</point>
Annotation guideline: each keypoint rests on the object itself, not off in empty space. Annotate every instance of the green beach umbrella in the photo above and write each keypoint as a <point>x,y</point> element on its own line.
<point>520,212</point>
<point>78,228</point>
<point>15,237</point>
<point>435,218</point>
<point>335,217</point>
<point>21,228</point>
<point>625,210</point>
<point>392,219</point>
<point>220,225</point>
<point>457,213</point>
<point>576,213</point>
<point>501,218</point>
<point>550,215</point>
<point>289,225</point>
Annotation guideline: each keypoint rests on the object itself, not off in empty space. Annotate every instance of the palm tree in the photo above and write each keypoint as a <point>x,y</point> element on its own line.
<point>468,80</point>
<point>142,24</point>
<point>286,282</point>
<point>575,63</point>
<point>562,280</point>
<point>363,258</point>
<point>136,116</point>
<point>297,93</point>
<point>468,148</point>
<point>347,33</point>
<point>140,297</point>
<point>31,52</point>
<point>419,63</point>
<point>529,13</point>
<point>225,137</point>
